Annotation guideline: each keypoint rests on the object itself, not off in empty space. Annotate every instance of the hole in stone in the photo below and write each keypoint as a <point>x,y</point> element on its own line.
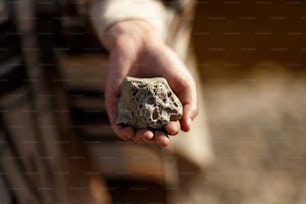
<point>173,117</point>
<point>175,104</point>
<point>141,86</point>
<point>134,92</point>
<point>151,100</point>
<point>169,94</point>
<point>155,115</point>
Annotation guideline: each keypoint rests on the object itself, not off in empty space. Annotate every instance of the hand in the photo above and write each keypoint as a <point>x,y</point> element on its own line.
<point>136,50</point>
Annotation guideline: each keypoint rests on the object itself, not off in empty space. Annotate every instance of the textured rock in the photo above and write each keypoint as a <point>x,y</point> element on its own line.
<point>147,103</point>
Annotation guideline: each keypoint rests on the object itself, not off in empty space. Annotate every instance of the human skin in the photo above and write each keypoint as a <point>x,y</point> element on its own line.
<point>137,50</point>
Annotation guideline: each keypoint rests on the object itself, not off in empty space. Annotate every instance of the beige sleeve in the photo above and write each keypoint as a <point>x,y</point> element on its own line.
<point>104,13</point>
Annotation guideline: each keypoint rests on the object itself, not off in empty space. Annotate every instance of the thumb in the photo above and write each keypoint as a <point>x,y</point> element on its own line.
<point>189,99</point>
<point>189,113</point>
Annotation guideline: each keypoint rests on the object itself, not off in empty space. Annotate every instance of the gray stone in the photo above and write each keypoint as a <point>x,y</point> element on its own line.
<point>147,103</point>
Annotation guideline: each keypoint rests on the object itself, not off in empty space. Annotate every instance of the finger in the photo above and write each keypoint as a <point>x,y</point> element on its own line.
<point>161,138</point>
<point>189,113</point>
<point>188,97</point>
<point>124,133</point>
<point>184,86</point>
<point>173,127</point>
<point>145,134</point>
<point>139,138</point>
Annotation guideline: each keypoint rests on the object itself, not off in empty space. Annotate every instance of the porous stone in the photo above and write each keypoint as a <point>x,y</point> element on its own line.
<point>147,103</point>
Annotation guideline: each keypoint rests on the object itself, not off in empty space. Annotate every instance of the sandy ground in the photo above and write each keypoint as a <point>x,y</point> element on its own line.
<point>259,136</point>
<point>253,70</point>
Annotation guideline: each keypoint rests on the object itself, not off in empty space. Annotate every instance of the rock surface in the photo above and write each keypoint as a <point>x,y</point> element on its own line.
<point>147,103</point>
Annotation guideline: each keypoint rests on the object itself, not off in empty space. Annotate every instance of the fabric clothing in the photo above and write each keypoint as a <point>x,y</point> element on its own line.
<point>106,13</point>
<point>4,195</point>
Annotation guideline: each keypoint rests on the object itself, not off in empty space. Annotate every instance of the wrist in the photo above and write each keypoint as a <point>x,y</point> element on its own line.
<point>139,31</point>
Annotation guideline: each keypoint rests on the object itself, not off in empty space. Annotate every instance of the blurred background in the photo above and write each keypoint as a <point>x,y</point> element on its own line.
<point>252,59</point>
<point>251,55</point>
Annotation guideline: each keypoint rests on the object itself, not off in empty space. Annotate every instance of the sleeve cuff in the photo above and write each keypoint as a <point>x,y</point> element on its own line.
<point>105,13</point>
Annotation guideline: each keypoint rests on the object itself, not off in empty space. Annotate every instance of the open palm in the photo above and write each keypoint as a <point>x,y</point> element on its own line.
<point>136,51</point>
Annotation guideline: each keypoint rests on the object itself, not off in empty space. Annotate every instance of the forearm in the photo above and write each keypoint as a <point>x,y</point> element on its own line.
<point>139,31</point>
